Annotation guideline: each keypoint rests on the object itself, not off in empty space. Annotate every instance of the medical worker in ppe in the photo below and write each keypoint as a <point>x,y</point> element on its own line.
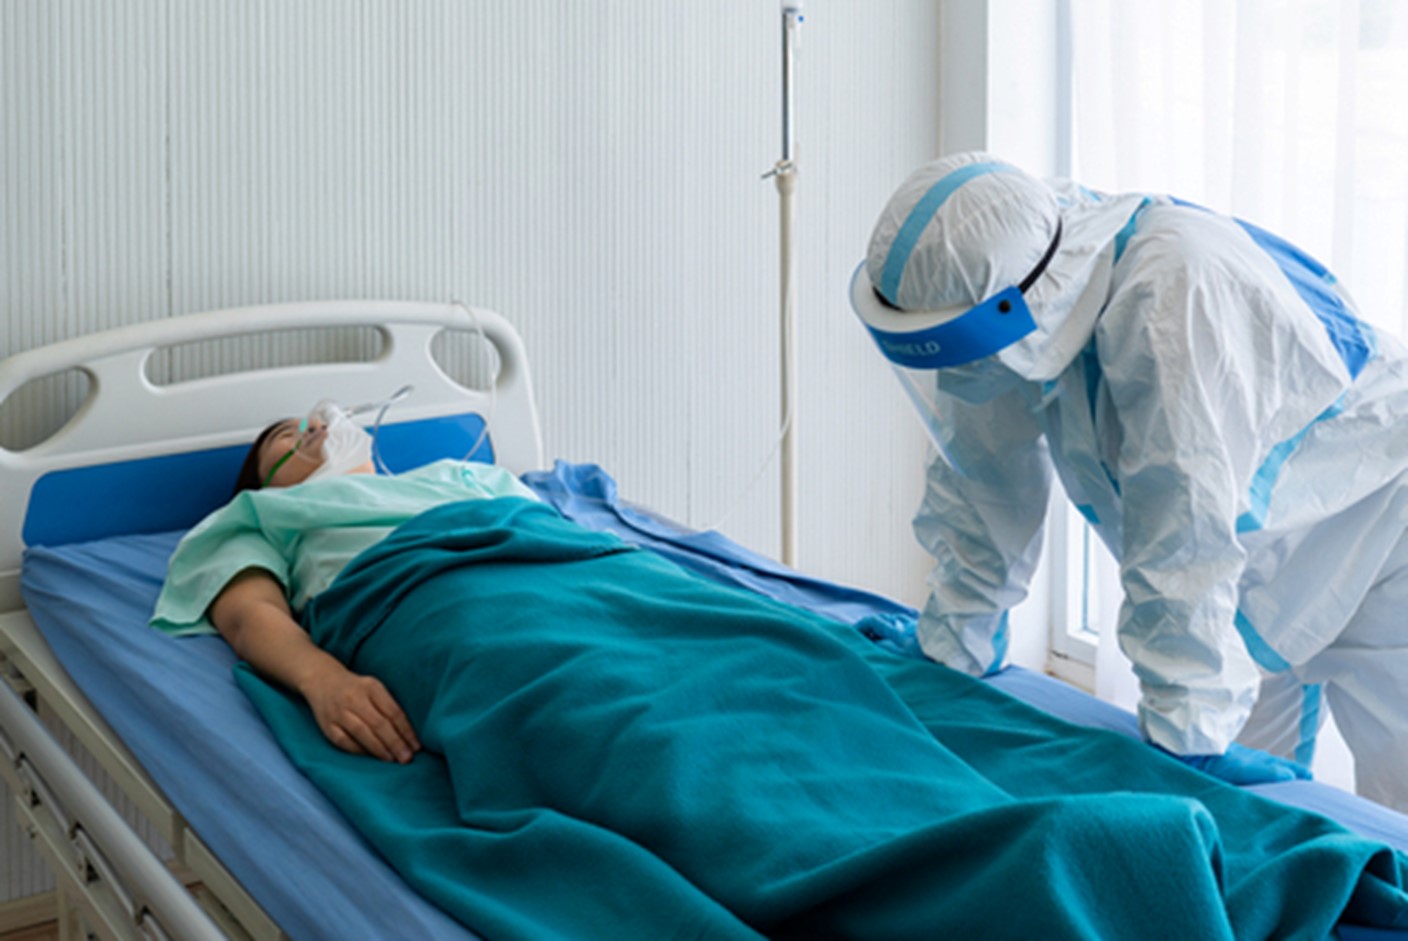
<point>1210,403</point>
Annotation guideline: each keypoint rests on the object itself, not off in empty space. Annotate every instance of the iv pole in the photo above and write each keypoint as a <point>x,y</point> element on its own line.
<point>784,174</point>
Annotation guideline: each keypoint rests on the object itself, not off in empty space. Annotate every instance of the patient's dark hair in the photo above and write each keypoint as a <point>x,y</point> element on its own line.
<point>249,478</point>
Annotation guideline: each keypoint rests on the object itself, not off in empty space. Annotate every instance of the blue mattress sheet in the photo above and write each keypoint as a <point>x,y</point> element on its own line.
<point>176,706</point>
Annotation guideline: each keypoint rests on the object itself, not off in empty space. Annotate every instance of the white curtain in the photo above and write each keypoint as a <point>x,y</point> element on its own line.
<point>1288,113</point>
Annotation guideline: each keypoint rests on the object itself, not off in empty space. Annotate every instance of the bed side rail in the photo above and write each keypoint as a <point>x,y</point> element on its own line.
<point>10,598</point>
<point>126,892</point>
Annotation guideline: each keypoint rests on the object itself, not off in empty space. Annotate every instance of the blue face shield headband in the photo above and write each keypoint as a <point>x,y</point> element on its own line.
<point>938,339</point>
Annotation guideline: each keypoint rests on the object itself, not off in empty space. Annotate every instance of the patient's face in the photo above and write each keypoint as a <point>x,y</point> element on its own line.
<point>299,460</point>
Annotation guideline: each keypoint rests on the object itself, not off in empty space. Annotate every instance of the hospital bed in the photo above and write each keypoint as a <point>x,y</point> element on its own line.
<point>87,520</point>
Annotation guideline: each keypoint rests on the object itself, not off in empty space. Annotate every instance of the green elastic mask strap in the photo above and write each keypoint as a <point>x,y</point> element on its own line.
<point>277,464</point>
<point>302,427</point>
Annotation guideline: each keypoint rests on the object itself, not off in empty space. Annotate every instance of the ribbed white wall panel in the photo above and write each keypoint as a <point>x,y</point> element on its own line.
<point>591,170</point>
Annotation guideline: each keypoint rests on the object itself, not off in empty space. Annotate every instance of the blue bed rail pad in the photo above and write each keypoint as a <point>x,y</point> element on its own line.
<point>175,491</point>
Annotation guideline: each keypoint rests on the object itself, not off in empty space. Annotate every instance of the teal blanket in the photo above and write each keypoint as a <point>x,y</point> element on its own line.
<point>617,749</point>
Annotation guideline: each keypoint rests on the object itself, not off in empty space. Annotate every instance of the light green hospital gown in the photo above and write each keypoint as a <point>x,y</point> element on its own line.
<point>304,535</point>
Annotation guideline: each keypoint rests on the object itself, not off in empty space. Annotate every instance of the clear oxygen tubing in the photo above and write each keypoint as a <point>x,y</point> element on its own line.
<point>386,403</point>
<point>381,408</point>
<point>319,428</point>
<point>331,441</point>
<point>493,380</point>
<point>324,412</point>
<point>777,445</point>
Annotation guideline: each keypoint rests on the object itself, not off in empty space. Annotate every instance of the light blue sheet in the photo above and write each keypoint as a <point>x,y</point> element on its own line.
<point>174,702</point>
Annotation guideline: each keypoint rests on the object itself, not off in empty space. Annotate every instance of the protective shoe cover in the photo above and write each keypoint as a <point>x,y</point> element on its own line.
<point>1209,402</point>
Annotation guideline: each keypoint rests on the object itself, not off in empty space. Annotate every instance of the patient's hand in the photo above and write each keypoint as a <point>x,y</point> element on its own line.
<point>355,712</point>
<point>358,715</point>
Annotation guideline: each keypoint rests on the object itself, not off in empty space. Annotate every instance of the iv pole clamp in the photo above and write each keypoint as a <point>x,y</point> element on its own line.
<point>784,175</point>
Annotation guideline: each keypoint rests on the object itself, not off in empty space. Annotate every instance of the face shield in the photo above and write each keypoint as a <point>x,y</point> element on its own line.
<point>944,290</point>
<point>953,350</point>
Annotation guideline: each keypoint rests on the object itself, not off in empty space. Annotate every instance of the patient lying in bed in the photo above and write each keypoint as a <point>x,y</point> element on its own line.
<point>251,567</point>
<point>583,740</point>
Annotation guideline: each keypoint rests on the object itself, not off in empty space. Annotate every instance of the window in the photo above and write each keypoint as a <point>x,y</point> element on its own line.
<point>1286,113</point>
<point>1282,112</point>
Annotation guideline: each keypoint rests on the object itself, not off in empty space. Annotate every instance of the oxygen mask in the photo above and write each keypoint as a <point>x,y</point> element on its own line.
<point>328,443</point>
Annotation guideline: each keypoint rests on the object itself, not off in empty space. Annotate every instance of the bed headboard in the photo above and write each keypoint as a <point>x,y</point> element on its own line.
<point>141,457</point>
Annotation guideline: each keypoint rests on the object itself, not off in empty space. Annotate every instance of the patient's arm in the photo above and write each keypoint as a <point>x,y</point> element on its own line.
<point>355,712</point>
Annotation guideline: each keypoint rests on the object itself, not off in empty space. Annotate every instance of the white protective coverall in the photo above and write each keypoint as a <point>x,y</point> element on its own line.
<point>1209,401</point>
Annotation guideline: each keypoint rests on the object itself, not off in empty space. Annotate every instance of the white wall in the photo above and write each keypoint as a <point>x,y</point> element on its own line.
<point>591,170</point>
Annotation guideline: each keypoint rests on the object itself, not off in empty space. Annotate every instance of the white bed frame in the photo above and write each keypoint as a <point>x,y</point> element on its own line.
<point>121,890</point>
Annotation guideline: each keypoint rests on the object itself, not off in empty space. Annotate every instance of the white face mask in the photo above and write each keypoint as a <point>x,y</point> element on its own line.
<point>345,447</point>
